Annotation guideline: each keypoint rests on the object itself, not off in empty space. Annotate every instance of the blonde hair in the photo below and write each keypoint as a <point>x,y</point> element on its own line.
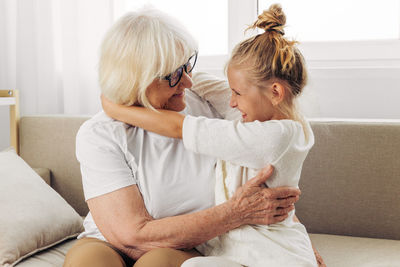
<point>140,47</point>
<point>269,57</point>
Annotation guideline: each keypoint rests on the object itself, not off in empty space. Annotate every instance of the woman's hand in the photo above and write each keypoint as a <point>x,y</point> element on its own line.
<point>253,203</point>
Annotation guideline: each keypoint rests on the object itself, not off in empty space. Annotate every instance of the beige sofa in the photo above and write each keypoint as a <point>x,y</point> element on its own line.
<point>350,186</point>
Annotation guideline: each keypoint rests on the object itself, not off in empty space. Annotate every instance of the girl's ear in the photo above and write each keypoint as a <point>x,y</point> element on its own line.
<point>277,93</point>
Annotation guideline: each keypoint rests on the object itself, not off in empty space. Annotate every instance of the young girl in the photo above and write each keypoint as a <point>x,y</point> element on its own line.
<point>266,73</point>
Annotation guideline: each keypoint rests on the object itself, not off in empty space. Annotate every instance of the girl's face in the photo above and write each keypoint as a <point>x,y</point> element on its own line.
<point>253,103</point>
<point>162,96</point>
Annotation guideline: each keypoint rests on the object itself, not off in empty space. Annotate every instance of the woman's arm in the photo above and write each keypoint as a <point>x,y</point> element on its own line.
<point>131,229</point>
<point>164,122</point>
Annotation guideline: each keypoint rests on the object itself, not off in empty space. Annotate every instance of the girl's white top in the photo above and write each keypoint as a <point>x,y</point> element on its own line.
<point>243,149</point>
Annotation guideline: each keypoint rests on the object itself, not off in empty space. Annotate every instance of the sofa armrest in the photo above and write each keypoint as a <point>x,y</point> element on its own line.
<point>44,173</point>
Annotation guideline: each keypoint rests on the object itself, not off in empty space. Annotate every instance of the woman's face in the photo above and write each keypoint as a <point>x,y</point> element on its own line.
<point>253,103</point>
<point>162,96</point>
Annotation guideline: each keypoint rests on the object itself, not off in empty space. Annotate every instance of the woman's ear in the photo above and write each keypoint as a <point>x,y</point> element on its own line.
<point>277,93</point>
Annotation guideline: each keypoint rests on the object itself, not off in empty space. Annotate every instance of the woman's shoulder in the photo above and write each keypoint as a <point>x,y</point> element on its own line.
<point>101,128</point>
<point>101,120</point>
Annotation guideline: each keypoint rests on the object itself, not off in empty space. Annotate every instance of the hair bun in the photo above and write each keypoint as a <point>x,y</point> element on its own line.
<point>271,20</point>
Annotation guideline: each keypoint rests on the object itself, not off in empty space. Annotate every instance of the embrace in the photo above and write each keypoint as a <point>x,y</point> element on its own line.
<point>185,169</point>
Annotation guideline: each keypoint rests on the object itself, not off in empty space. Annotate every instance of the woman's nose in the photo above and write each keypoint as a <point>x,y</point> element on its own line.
<point>186,80</point>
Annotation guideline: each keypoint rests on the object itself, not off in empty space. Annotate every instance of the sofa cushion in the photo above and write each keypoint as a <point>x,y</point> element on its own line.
<point>33,216</point>
<point>346,251</point>
<point>44,173</point>
<point>52,257</point>
<point>337,251</point>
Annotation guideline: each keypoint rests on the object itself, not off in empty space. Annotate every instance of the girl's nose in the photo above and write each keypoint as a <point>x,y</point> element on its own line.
<point>232,102</point>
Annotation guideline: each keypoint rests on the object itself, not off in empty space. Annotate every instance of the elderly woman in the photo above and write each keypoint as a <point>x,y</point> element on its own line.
<point>150,199</point>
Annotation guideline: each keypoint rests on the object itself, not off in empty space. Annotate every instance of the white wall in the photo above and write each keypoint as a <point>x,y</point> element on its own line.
<point>4,127</point>
<point>372,93</point>
<point>8,30</point>
<point>7,63</point>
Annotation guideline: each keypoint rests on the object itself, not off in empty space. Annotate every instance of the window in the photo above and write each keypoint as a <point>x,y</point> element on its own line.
<point>207,20</point>
<point>328,30</point>
<point>338,33</point>
<point>340,20</point>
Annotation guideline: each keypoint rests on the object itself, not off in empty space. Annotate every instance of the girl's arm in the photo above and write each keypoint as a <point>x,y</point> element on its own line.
<point>250,144</point>
<point>217,92</point>
<point>164,122</point>
<point>169,123</point>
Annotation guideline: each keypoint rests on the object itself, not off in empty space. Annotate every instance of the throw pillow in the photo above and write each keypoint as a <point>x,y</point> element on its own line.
<point>33,216</point>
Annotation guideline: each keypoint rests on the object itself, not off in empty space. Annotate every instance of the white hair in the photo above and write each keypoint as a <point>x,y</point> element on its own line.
<point>140,47</point>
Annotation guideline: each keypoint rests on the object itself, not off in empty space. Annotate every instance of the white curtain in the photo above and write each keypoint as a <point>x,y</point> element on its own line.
<point>49,51</point>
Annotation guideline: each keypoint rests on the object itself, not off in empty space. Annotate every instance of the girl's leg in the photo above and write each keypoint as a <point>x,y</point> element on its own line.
<point>210,261</point>
<point>165,257</point>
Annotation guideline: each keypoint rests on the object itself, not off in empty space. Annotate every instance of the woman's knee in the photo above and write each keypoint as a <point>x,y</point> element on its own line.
<point>164,257</point>
<point>93,254</point>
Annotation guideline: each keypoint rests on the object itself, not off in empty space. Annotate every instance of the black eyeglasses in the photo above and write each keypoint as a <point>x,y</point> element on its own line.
<point>176,76</point>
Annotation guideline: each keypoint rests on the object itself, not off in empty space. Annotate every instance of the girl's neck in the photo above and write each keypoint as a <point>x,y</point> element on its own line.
<point>279,116</point>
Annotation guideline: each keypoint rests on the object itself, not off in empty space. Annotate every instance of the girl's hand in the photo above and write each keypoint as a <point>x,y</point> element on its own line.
<point>320,261</point>
<point>109,107</point>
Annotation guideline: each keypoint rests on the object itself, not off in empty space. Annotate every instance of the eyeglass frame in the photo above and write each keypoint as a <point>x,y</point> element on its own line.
<point>183,67</point>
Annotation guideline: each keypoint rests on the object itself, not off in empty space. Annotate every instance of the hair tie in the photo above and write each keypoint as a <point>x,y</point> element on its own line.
<point>271,29</point>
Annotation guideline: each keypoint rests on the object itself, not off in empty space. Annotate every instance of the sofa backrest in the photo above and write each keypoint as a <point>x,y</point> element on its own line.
<point>350,180</point>
<point>49,142</point>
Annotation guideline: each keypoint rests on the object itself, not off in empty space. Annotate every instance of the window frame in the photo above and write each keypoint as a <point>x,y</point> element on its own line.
<point>368,53</point>
<point>332,54</point>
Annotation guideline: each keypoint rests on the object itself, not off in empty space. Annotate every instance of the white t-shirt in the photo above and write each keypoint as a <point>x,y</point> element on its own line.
<point>171,179</point>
